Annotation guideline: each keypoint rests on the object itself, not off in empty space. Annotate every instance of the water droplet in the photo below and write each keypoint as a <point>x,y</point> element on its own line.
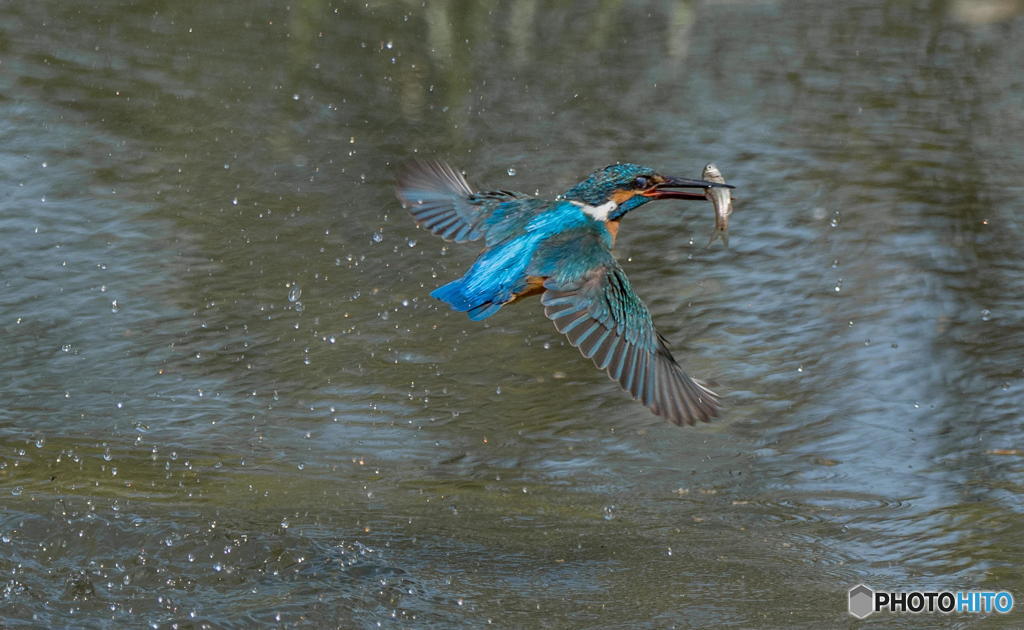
<point>609,512</point>
<point>511,172</point>
<point>17,490</point>
<point>294,293</point>
<point>114,306</point>
<point>411,242</point>
<point>295,97</point>
<point>377,237</point>
<point>986,315</point>
<point>284,523</point>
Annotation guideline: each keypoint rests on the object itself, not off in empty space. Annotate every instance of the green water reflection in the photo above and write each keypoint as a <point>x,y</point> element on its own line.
<point>230,400</point>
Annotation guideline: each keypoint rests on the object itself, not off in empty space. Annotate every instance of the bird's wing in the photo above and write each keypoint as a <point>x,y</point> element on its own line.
<point>441,200</point>
<point>590,300</point>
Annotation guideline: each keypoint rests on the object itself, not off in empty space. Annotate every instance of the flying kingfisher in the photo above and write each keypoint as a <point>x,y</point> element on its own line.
<point>561,249</point>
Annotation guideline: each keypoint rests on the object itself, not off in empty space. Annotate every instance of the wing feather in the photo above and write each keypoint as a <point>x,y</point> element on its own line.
<point>441,200</point>
<point>597,310</point>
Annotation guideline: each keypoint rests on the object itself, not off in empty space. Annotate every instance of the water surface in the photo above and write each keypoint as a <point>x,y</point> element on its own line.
<point>229,399</point>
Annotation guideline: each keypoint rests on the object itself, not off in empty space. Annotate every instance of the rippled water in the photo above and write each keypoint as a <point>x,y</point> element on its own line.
<point>230,400</point>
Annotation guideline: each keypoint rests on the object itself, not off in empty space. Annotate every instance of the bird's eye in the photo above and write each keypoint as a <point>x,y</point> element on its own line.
<point>642,182</point>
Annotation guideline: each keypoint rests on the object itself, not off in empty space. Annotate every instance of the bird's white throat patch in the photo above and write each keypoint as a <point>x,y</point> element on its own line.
<point>598,213</point>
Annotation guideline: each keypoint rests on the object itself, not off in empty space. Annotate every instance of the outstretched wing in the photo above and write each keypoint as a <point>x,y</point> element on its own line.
<point>594,305</point>
<point>441,200</point>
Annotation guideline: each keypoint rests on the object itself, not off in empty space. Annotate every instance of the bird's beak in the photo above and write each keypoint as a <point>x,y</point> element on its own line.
<point>664,190</point>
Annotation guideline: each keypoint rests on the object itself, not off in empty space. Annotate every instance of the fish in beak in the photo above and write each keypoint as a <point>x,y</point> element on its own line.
<point>721,197</point>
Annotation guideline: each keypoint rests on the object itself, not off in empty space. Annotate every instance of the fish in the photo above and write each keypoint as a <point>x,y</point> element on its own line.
<point>722,200</point>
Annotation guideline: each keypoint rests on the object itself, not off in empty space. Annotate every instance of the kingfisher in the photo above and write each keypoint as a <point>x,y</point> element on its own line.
<point>561,249</point>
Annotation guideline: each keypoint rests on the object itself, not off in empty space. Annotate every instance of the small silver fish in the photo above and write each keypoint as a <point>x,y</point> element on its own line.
<point>722,200</point>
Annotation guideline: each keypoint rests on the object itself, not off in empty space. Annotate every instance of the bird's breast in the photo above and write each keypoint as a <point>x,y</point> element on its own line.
<point>613,228</point>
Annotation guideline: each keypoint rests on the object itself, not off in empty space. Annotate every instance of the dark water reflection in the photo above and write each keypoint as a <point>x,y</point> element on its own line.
<point>230,401</point>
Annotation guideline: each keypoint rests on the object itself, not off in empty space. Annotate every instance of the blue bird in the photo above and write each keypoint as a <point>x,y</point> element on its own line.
<point>561,249</point>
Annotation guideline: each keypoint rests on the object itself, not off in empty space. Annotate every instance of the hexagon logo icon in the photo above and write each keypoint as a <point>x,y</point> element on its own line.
<point>861,599</point>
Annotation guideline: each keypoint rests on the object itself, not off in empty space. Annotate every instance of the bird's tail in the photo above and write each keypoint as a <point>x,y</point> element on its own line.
<point>454,294</point>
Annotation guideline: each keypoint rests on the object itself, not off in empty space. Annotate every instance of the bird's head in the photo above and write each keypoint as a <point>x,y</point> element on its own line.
<point>631,185</point>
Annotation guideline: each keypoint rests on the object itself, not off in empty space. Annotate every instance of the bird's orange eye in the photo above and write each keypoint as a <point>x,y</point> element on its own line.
<point>642,183</point>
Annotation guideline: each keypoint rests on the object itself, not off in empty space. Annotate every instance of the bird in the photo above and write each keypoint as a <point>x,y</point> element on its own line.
<point>561,250</point>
